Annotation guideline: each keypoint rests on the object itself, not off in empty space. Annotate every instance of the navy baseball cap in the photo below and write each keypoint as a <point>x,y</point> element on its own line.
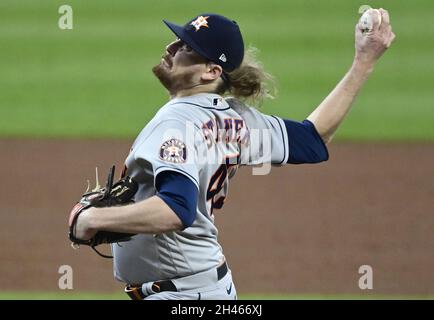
<point>214,37</point>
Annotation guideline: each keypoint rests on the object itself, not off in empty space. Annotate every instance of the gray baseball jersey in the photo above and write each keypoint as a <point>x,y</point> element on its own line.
<point>206,139</point>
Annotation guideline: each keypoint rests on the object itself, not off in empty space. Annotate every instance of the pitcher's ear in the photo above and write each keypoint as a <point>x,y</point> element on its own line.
<point>213,71</point>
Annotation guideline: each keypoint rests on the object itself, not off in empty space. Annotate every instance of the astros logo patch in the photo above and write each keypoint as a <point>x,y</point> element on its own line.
<point>173,150</point>
<point>200,22</point>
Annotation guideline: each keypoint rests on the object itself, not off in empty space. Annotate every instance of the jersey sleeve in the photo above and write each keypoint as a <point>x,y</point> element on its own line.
<point>170,145</point>
<point>267,142</point>
<point>305,143</point>
<point>179,193</point>
<point>280,141</point>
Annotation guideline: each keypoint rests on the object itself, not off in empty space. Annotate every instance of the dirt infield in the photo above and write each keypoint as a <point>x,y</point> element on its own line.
<point>301,229</point>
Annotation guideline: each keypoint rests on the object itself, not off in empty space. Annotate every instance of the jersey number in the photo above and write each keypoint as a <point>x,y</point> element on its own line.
<point>218,181</point>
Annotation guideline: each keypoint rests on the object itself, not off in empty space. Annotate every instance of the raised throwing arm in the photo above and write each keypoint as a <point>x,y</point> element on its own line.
<point>369,48</point>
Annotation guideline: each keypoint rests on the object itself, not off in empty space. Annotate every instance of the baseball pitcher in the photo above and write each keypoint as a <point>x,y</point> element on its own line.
<point>159,217</point>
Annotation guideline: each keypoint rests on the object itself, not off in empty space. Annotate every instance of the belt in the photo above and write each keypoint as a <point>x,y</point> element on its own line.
<point>136,292</point>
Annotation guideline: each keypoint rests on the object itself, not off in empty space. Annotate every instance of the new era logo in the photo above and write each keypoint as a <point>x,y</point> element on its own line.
<point>223,58</point>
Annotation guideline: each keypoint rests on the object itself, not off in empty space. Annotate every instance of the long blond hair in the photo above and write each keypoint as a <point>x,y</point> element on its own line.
<point>249,83</point>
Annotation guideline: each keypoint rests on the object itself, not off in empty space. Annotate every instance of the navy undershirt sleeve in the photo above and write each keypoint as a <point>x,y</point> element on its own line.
<point>179,193</point>
<point>305,144</point>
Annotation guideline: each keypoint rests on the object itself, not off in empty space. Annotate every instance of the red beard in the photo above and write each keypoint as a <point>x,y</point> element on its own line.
<point>174,83</point>
<point>163,75</point>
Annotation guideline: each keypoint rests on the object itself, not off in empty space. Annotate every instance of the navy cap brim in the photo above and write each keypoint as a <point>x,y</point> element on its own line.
<point>179,31</point>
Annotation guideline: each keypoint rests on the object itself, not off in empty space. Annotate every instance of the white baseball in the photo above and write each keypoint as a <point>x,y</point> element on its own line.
<point>367,19</point>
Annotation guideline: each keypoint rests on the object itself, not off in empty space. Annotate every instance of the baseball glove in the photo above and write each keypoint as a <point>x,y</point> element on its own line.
<point>120,193</point>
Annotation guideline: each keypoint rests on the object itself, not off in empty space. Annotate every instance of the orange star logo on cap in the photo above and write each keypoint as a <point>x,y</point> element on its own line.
<point>200,22</point>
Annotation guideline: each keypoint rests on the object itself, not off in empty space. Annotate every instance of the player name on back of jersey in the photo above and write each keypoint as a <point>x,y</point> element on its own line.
<point>232,130</point>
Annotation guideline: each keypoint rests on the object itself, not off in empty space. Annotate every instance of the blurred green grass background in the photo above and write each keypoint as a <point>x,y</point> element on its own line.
<point>96,80</point>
